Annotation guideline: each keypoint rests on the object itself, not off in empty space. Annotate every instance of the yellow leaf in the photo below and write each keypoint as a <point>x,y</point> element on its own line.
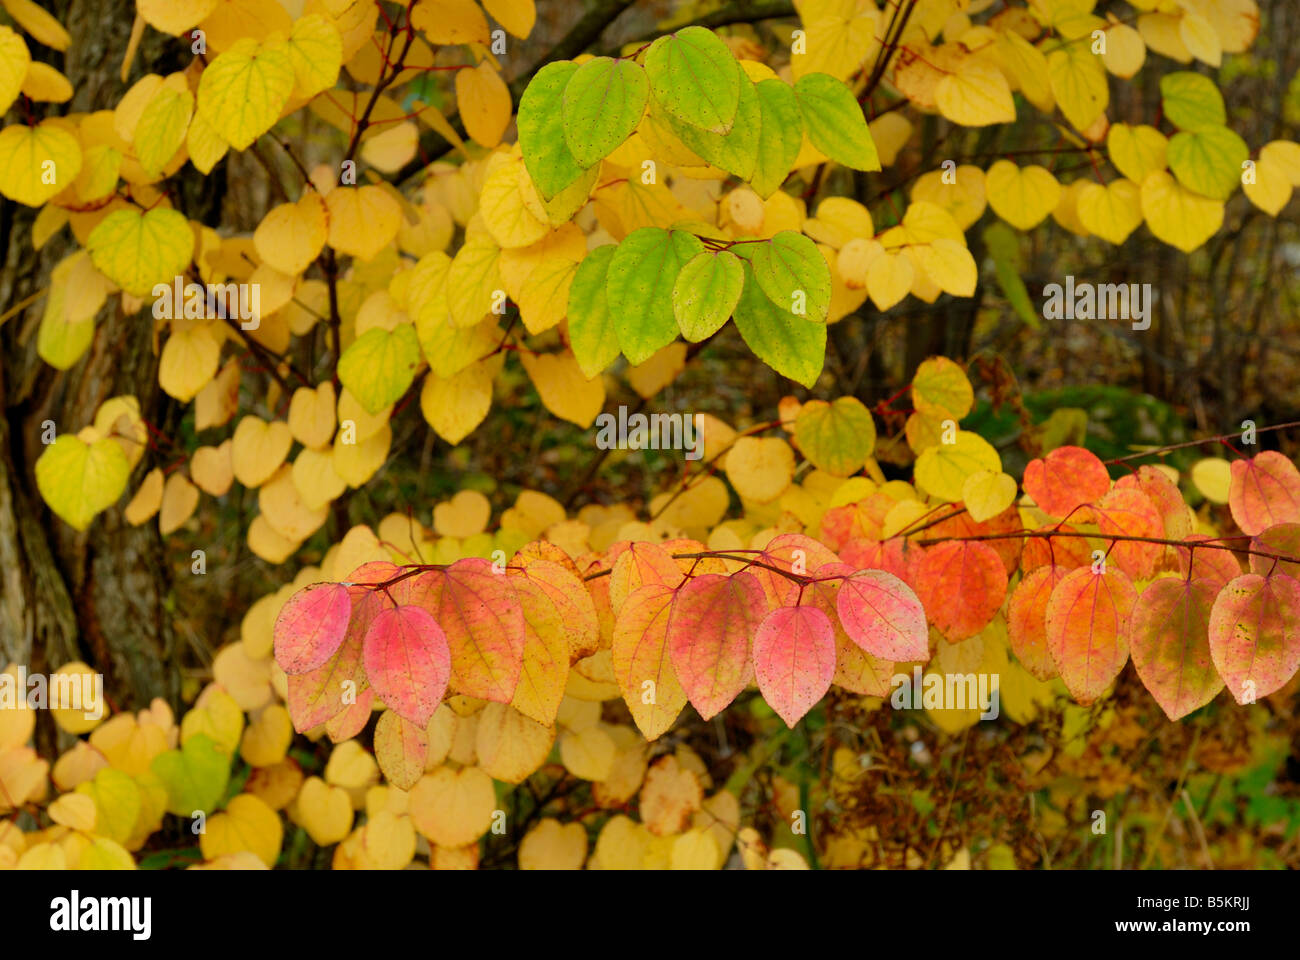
<point>588,754</point>
<point>986,494</point>
<point>564,390</point>
<point>175,16</point>
<point>1125,50</point>
<point>324,811</point>
<point>14,62</point>
<point>551,845</point>
<point>1023,197</point>
<point>1270,190</point>
<point>1136,151</point>
<point>1199,37</point>
<point>311,415</point>
<point>37,162</point>
<point>139,251</point>
<point>760,468</point>
<point>453,808</point>
<point>248,824</point>
<point>1283,155</point>
<point>1176,215</point>
<point>46,84</point>
<point>258,449</point>
<point>942,470</point>
<point>314,476</point>
<point>292,235</point>
<point>80,477</point>
<point>484,103</point>
<point>450,22</point>
<point>977,95</point>
<point>362,220</point>
<point>1213,477</point>
<point>889,278</point>
<point>454,406</point>
<point>204,143</point>
<point>211,469</point>
<point>517,16</point>
<point>267,739</point>
<point>950,265</point>
<point>315,51</point>
<point>242,91</point>
<point>189,361</point>
<point>39,23</point>
<point>1079,84</point>
<point>180,497</point>
<point>162,127</point>
<point>1113,211</point>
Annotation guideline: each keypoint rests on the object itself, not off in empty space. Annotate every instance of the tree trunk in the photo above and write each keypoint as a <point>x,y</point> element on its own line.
<point>101,596</point>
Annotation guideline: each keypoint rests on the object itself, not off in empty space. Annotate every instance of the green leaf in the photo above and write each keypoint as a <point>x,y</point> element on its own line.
<point>541,130</point>
<point>591,329</point>
<point>706,293</point>
<point>379,365</point>
<point>1004,247</point>
<point>834,121</point>
<point>737,151</point>
<point>195,775</point>
<point>79,479</point>
<point>1191,101</point>
<point>794,275</point>
<point>639,289</point>
<point>836,437</point>
<point>603,102</point>
<point>780,135</point>
<point>1208,160</point>
<point>790,345</point>
<point>695,79</point>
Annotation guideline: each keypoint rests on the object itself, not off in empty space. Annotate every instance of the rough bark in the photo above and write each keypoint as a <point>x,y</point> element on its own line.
<point>101,596</point>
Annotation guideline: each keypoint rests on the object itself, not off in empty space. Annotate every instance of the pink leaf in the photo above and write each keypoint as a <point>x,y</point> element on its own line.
<point>794,660</point>
<point>1263,492</point>
<point>710,632</point>
<point>408,662</point>
<point>883,616</point>
<point>311,626</point>
<point>1169,643</point>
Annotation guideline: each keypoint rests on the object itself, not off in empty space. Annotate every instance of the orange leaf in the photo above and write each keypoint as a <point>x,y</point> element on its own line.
<point>1066,479</point>
<point>961,585</point>
<point>1087,629</point>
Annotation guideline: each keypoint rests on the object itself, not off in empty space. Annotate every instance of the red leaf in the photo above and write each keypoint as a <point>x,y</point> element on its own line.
<point>794,660</point>
<point>339,682</point>
<point>311,626</point>
<point>1067,478</point>
<point>1264,491</point>
<point>1169,636</point>
<point>883,616</point>
<point>855,669</point>
<point>1087,629</point>
<point>710,631</point>
<point>408,662</point>
<point>962,586</point>
<point>1255,634</point>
